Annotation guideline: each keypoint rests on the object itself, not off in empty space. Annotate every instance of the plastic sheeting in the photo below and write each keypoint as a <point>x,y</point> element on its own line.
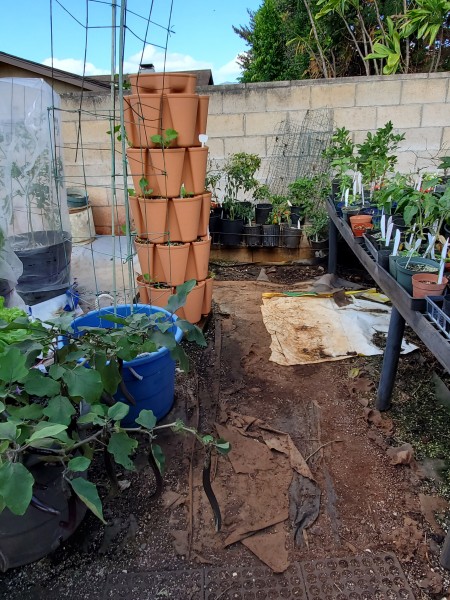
<point>33,203</point>
<point>313,330</point>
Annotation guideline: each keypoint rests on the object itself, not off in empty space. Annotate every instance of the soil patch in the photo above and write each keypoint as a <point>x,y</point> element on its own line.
<point>365,503</point>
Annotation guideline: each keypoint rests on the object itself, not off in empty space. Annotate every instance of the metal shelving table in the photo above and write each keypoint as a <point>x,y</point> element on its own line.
<point>402,311</point>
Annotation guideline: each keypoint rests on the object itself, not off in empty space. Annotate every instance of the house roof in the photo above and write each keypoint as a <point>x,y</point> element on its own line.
<point>86,83</point>
<point>92,83</point>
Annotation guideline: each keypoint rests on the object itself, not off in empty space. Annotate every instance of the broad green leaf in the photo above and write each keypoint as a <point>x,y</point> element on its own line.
<point>56,371</point>
<point>4,446</point>
<point>180,356</point>
<point>93,418</point>
<point>207,439</point>
<point>2,407</point>
<point>78,464</point>
<point>87,492</point>
<point>84,383</point>
<point>222,446</point>
<point>193,332</point>
<point>179,298</point>
<point>38,384</point>
<point>115,319</point>
<point>47,431</point>
<point>146,418</point>
<point>159,457</point>
<point>164,340</point>
<point>121,446</point>
<point>118,411</point>
<point>59,410</point>
<point>16,487</point>
<point>8,431</point>
<point>12,365</point>
<point>109,372</point>
<point>29,412</point>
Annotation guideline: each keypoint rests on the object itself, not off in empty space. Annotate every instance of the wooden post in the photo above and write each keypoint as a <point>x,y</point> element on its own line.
<point>390,360</point>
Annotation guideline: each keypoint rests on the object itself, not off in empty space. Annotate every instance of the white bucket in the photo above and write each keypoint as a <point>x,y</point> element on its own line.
<point>82,224</point>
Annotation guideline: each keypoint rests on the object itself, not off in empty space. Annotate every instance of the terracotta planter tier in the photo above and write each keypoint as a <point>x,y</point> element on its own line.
<point>148,261</point>
<point>425,284</point>
<point>192,310</point>
<point>149,294</point>
<point>146,115</point>
<point>194,170</point>
<point>198,261</point>
<point>173,261</point>
<point>169,83</point>
<point>184,217</point>
<point>161,168</point>
<point>202,118</point>
<point>183,111</point>
<point>204,214</point>
<point>137,217</point>
<point>154,215</point>
<point>207,298</point>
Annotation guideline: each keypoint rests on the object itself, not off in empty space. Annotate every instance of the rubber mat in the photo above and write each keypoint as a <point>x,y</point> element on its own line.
<point>367,577</point>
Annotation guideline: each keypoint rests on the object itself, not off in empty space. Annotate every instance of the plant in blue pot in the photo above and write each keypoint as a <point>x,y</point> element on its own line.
<point>65,403</point>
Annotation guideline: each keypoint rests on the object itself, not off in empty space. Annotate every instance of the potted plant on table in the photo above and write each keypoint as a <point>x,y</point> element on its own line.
<point>316,229</point>
<point>239,173</point>
<point>54,422</point>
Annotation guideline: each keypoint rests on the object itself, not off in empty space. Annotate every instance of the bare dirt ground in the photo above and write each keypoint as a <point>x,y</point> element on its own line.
<point>364,503</point>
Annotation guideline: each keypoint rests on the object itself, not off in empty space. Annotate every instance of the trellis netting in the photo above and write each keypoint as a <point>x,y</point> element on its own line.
<point>34,219</point>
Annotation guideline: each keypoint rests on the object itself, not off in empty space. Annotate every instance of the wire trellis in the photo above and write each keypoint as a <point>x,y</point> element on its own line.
<point>298,149</point>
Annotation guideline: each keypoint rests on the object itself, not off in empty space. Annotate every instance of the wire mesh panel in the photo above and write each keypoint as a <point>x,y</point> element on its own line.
<point>298,149</point>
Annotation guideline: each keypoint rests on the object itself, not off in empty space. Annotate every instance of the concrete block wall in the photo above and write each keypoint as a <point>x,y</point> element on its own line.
<point>246,117</point>
<point>87,155</point>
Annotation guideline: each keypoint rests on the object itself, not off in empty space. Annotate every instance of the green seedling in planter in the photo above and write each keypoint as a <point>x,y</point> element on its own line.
<point>164,141</point>
<point>42,416</point>
<point>184,193</point>
<point>280,212</point>
<point>341,153</point>
<point>262,194</point>
<point>317,226</point>
<point>376,156</point>
<point>239,172</point>
<point>156,284</point>
<point>145,190</point>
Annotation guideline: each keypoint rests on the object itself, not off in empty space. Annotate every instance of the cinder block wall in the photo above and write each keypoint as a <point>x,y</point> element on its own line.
<point>245,117</point>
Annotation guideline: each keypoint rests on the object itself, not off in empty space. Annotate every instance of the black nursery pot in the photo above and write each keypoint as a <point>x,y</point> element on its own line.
<point>291,237</point>
<point>252,235</point>
<point>271,236</point>
<point>262,211</point>
<point>296,216</point>
<point>231,234</point>
<point>215,226</point>
<point>45,256</point>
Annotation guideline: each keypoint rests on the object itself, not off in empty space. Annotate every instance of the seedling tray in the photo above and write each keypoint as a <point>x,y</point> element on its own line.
<point>436,315</point>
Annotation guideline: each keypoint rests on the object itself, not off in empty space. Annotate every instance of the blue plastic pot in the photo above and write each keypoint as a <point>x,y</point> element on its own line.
<point>156,389</point>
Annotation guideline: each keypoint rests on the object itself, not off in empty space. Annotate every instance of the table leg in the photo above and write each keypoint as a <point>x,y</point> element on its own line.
<point>332,247</point>
<point>390,360</point>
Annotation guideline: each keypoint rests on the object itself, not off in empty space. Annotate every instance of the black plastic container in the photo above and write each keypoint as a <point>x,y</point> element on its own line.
<point>231,232</point>
<point>262,212</point>
<point>271,236</point>
<point>252,235</point>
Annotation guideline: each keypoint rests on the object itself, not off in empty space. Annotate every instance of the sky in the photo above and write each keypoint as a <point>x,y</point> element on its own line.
<point>200,37</point>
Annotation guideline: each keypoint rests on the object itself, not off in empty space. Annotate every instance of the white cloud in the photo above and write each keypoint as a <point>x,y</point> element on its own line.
<point>174,61</point>
<point>74,65</point>
<point>228,72</point>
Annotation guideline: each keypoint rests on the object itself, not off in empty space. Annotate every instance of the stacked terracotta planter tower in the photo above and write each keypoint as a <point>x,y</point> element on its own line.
<point>171,208</point>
